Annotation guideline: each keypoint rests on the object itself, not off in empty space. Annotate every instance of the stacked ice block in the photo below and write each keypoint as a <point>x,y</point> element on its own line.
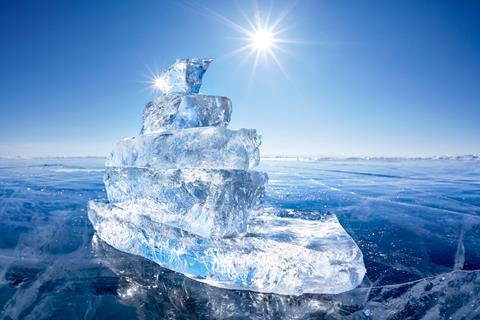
<point>185,168</point>
<point>182,193</point>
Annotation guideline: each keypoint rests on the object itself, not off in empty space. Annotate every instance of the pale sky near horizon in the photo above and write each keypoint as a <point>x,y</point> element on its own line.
<point>359,78</point>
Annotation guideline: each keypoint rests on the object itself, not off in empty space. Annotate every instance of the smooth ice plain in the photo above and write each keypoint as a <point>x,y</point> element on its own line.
<point>417,223</point>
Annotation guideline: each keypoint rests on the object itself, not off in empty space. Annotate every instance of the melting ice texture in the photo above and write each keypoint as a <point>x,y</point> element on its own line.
<point>416,222</point>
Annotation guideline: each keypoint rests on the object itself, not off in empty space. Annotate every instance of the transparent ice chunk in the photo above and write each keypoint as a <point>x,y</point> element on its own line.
<point>182,195</point>
<point>180,110</point>
<point>185,75</point>
<point>207,147</point>
<point>211,203</point>
<point>280,255</point>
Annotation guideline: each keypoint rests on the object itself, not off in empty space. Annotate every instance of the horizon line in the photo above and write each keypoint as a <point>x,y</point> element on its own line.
<point>280,157</point>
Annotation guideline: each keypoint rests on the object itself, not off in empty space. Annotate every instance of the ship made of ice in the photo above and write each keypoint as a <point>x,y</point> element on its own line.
<point>183,194</point>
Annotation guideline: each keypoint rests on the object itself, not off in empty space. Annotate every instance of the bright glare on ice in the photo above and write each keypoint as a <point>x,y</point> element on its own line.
<point>160,84</point>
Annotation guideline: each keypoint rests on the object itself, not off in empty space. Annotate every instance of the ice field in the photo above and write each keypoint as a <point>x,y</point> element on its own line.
<point>417,223</point>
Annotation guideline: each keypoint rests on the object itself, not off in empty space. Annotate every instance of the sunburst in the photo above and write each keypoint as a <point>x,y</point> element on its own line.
<point>263,38</point>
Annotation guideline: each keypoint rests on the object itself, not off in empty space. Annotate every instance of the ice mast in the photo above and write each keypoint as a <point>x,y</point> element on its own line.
<point>183,194</point>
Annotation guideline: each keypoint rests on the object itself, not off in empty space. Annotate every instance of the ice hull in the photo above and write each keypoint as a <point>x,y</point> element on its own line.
<point>278,255</point>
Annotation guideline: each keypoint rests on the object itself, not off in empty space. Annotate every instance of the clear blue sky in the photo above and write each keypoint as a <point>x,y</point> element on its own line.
<point>374,78</point>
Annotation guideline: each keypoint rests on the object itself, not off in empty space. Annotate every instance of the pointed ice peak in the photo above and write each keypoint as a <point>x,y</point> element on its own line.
<point>185,75</point>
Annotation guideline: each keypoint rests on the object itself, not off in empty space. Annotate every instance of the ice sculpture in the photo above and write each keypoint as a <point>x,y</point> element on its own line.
<point>183,194</point>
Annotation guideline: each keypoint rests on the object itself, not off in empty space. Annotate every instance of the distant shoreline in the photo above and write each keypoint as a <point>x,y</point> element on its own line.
<point>469,157</point>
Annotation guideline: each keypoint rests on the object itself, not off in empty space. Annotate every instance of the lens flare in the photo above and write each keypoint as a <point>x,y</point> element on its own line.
<point>159,84</point>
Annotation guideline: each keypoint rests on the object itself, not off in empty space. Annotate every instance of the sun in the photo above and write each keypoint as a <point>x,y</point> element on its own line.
<point>262,40</point>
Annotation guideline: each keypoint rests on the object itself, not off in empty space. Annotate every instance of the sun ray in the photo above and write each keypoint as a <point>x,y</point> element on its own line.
<point>283,15</point>
<point>278,63</point>
<point>234,52</point>
<point>254,69</point>
<point>249,22</point>
<point>213,14</point>
<point>268,15</point>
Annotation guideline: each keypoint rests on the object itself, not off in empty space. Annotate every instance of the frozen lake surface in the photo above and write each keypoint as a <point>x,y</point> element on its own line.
<point>417,223</point>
